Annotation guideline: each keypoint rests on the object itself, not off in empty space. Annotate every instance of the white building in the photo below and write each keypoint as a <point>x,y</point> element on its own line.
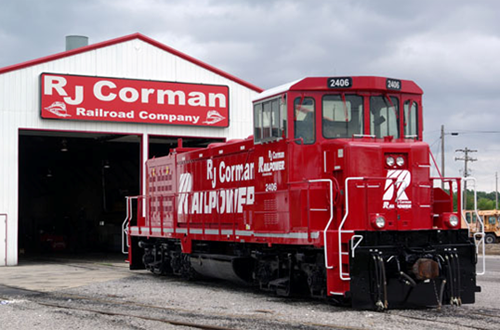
<point>76,128</point>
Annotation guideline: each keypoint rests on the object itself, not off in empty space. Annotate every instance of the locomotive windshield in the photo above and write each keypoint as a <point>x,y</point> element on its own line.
<point>384,118</point>
<point>342,116</point>
<point>340,112</point>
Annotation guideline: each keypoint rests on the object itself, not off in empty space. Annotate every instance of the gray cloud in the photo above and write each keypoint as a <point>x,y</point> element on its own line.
<point>449,48</point>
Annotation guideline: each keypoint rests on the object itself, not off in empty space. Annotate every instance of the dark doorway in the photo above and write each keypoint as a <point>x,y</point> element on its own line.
<point>162,145</point>
<point>72,189</point>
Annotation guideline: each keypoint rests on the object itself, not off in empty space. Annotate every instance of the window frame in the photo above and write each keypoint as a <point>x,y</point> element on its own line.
<point>275,124</point>
<point>410,103</point>
<point>344,99</point>
<point>389,104</point>
<point>313,121</point>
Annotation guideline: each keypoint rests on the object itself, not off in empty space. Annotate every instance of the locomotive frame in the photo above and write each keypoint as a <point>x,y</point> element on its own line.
<point>331,197</point>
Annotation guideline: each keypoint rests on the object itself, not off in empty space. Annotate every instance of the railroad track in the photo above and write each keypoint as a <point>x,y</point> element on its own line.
<point>170,315</point>
<point>118,306</point>
<point>459,319</point>
<point>448,319</point>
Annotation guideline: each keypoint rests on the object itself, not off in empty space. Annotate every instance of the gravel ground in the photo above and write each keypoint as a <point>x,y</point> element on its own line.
<point>145,301</point>
<point>493,249</point>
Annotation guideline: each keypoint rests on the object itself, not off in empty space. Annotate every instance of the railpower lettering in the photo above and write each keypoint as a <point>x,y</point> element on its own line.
<point>218,201</point>
<point>272,166</point>
<point>276,163</point>
<point>215,201</point>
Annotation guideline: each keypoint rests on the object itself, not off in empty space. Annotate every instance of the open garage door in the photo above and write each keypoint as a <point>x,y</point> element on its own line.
<point>72,189</point>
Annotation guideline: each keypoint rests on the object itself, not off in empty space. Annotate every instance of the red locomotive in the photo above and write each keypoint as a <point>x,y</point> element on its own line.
<point>331,197</point>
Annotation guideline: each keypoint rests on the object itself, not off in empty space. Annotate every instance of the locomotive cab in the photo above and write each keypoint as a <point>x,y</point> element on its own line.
<point>394,237</point>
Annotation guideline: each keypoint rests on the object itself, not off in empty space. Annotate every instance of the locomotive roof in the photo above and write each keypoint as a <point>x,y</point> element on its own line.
<point>371,83</point>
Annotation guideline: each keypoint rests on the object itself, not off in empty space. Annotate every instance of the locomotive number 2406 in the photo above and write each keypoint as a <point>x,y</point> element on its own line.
<point>340,82</point>
<point>271,186</point>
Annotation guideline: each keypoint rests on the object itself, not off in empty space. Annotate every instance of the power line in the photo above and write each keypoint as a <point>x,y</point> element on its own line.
<point>476,132</point>
<point>466,159</point>
<point>460,132</point>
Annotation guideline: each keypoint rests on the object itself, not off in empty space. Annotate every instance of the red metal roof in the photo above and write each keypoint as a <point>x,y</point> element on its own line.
<point>371,83</point>
<point>123,39</point>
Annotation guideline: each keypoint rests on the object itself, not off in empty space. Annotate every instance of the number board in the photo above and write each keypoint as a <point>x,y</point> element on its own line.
<point>339,82</point>
<point>393,84</point>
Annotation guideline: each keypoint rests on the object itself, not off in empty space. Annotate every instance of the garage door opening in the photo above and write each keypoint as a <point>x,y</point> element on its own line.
<point>161,145</point>
<point>72,190</point>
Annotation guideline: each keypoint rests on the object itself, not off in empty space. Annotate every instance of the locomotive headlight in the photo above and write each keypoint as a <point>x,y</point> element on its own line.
<point>378,221</point>
<point>400,161</point>
<point>453,220</point>
<point>389,161</point>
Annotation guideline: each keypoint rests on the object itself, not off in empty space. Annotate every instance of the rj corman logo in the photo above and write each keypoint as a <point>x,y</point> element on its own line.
<point>139,101</point>
<point>394,192</point>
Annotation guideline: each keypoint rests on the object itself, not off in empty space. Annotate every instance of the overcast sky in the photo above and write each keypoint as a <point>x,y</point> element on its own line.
<point>451,48</point>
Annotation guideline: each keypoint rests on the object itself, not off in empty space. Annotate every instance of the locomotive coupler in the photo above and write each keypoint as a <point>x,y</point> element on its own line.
<point>425,269</point>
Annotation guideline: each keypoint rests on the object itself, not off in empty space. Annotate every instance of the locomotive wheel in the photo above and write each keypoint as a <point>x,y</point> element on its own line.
<point>490,239</point>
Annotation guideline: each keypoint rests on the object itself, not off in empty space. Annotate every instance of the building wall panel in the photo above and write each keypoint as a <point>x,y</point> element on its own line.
<point>132,59</point>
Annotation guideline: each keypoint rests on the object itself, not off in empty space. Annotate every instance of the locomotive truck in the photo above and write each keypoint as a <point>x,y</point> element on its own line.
<point>330,197</point>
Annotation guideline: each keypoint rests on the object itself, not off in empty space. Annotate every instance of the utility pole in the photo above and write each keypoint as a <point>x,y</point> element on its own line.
<point>466,159</point>
<point>496,190</point>
<point>442,153</point>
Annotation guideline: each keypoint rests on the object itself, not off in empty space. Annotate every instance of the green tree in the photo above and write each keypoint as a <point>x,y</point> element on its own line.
<point>485,201</point>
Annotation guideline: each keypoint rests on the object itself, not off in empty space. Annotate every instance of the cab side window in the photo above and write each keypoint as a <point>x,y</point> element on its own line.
<point>304,119</point>
<point>411,119</point>
<point>269,120</point>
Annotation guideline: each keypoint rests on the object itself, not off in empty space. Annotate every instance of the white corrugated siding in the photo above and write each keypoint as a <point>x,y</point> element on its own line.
<point>134,59</point>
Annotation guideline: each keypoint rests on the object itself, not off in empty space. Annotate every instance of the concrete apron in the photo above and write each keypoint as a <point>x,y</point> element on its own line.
<point>47,276</point>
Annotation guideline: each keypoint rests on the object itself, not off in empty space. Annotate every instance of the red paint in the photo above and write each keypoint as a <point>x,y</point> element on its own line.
<point>284,192</point>
<point>70,97</point>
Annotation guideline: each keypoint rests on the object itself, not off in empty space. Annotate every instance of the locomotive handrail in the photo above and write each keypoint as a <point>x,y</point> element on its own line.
<point>364,135</point>
<point>435,164</point>
<point>342,225</point>
<point>478,237</point>
<point>330,183</point>
<point>344,219</point>
<point>126,222</point>
<point>6,237</point>
<point>355,245</point>
<point>456,180</point>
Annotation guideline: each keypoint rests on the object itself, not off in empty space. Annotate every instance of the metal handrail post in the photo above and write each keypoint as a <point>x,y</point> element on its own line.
<point>481,235</point>
<point>342,224</point>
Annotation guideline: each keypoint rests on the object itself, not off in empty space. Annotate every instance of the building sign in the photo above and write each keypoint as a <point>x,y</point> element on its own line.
<point>70,97</point>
